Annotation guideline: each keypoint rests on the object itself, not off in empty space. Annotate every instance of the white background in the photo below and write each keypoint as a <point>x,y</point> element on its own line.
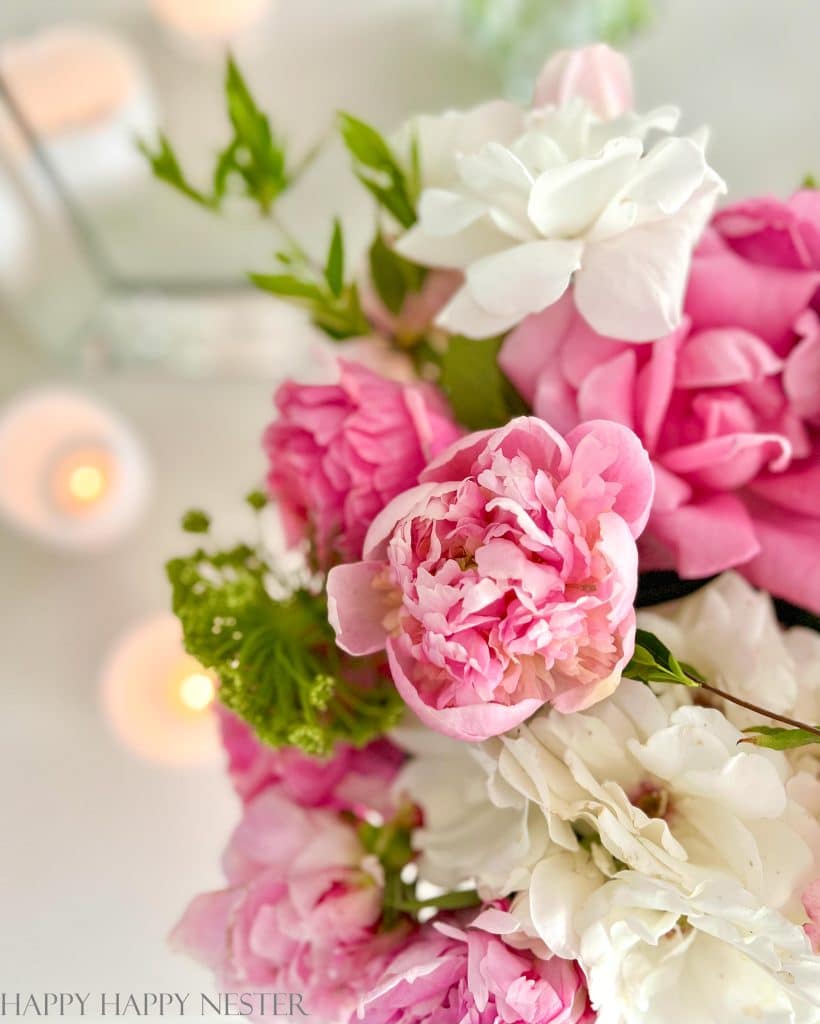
<point>99,851</point>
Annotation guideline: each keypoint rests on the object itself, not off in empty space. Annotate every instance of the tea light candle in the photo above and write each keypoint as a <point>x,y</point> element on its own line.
<point>72,473</point>
<point>85,95</point>
<point>158,699</point>
<point>217,21</point>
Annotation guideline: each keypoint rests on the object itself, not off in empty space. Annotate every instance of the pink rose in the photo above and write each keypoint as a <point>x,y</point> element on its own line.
<point>506,578</point>
<point>728,406</point>
<point>453,973</point>
<point>598,74</point>
<point>300,914</point>
<point>352,779</point>
<point>340,452</point>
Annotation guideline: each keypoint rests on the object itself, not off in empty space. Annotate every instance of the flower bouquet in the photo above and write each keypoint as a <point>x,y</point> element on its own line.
<point>478,786</point>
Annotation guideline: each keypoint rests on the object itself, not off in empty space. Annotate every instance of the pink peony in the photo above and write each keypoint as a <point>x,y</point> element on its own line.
<point>506,578</point>
<point>340,452</point>
<point>352,779</point>
<point>728,406</point>
<point>598,74</point>
<point>452,973</point>
<point>300,914</point>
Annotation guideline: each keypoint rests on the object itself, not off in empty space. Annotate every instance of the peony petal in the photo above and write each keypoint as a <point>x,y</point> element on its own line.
<point>473,722</point>
<point>631,285</point>
<point>356,607</point>
<point>627,465</point>
<point>201,931</point>
<point>707,536</point>
<point>402,505</point>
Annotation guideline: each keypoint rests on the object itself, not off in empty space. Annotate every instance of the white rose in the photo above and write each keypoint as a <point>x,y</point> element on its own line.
<point>525,203</point>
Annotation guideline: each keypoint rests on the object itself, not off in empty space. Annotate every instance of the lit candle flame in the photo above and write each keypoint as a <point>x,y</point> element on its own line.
<point>86,483</point>
<point>197,691</point>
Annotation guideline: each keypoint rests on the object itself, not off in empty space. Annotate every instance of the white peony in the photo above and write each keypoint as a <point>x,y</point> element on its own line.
<point>773,668</point>
<point>669,794</point>
<point>466,836</point>
<point>655,953</point>
<point>525,202</point>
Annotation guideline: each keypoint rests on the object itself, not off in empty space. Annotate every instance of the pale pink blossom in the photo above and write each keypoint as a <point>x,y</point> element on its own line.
<point>454,972</point>
<point>351,779</point>
<point>811,903</point>
<point>300,914</point>
<point>506,579</point>
<point>339,452</point>
<point>728,406</point>
<point>598,74</point>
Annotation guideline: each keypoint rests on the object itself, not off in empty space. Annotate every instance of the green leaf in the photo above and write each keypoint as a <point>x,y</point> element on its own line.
<point>254,157</point>
<point>288,286</point>
<point>479,393</point>
<point>392,275</point>
<point>809,182</point>
<point>277,661</point>
<point>778,738</point>
<point>365,143</point>
<point>335,266</point>
<point>653,662</point>
<point>257,500</point>
<point>378,169</point>
<point>333,305</point>
<point>196,521</point>
<point>166,168</point>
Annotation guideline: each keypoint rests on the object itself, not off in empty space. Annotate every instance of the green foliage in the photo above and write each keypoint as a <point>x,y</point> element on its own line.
<point>277,662</point>
<point>254,158</point>
<point>257,500</point>
<point>809,182</point>
<point>393,276</point>
<point>778,738</point>
<point>196,521</point>
<point>653,662</point>
<point>333,305</point>
<point>379,170</point>
<point>479,393</point>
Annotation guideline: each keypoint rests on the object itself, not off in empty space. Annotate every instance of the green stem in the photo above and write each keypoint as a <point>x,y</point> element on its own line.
<point>760,711</point>
<point>448,901</point>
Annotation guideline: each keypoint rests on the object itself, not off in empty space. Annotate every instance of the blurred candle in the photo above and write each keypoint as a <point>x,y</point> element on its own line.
<point>72,473</point>
<point>158,699</point>
<point>211,20</point>
<point>84,93</point>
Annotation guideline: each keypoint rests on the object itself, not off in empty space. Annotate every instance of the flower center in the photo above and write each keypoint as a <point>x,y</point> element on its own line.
<point>652,800</point>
